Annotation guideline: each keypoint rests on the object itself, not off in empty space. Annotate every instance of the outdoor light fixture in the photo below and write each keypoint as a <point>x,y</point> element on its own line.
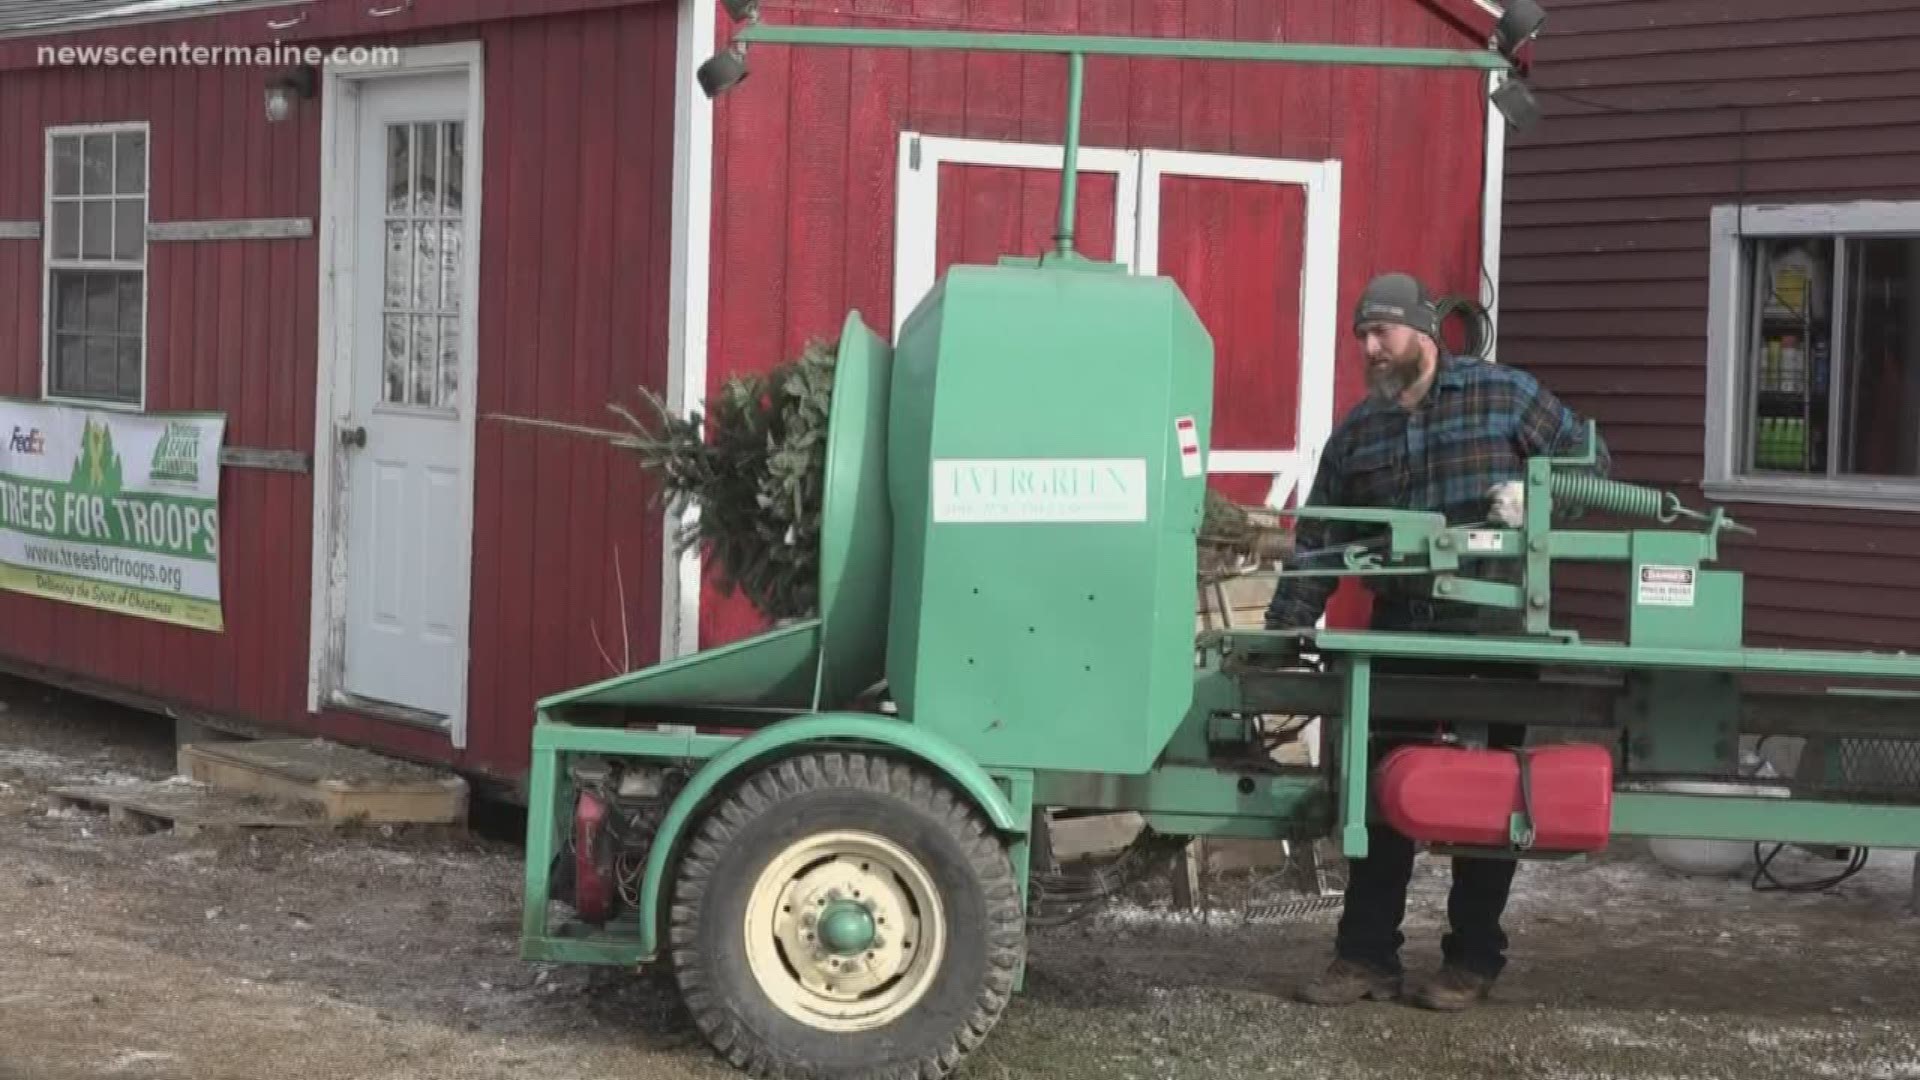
<point>724,70</point>
<point>1516,103</point>
<point>1518,25</point>
<point>283,88</point>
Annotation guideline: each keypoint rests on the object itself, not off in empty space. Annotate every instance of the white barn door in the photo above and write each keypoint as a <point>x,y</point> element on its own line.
<point>1253,242</point>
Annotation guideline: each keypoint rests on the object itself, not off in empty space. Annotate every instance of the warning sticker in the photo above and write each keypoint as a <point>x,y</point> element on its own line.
<point>1667,586</point>
<point>1189,438</point>
<point>1484,541</point>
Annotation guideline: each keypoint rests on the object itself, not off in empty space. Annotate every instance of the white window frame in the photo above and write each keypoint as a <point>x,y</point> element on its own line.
<point>917,193</point>
<point>48,264</point>
<point>1319,182</point>
<point>1728,317</point>
<point>1136,230</point>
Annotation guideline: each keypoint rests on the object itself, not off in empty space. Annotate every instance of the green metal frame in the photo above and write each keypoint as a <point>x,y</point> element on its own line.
<point>1102,45</point>
<point>1680,715</point>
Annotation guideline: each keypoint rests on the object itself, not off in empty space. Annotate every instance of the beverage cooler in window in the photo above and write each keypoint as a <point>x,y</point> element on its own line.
<point>1834,357</point>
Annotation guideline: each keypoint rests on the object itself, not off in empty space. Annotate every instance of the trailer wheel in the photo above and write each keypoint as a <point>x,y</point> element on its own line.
<point>846,915</point>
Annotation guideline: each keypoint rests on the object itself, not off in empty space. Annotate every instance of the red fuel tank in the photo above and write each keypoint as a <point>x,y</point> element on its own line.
<point>1467,797</point>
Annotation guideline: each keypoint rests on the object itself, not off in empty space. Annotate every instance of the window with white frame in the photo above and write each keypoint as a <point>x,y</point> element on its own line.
<point>96,253</point>
<point>1814,355</point>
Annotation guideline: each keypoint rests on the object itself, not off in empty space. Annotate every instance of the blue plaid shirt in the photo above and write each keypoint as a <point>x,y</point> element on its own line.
<point>1476,427</point>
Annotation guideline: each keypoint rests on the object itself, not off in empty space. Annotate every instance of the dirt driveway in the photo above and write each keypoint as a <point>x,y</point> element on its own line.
<point>393,956</point>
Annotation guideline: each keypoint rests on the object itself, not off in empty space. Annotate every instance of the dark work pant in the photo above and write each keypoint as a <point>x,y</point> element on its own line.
<point>1376,896</point>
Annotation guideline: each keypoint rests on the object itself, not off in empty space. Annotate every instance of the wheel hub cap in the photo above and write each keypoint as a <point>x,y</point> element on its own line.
<point>845,931</point>
<point>846,928</point>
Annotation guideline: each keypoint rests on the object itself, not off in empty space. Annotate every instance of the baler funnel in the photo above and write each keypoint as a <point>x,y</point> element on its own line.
<point>827,661</point>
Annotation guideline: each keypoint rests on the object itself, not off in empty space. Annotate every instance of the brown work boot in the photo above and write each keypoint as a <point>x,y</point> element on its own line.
<point>1452,990</point>
<point>1347,981</point>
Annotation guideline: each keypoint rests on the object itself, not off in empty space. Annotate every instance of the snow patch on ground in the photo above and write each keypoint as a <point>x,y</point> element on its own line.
<point>30,760</point>
<point>53,769</point>
<point>1617,1036</point>
<point>1577,892</point>
<point>1870,1070</point>
<point>1780,1039</point>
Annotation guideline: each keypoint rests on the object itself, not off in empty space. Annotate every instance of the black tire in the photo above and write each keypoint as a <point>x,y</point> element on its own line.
<point>796,802</point>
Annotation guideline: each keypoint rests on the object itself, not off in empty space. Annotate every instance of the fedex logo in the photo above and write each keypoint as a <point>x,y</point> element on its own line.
<point>31,441</point>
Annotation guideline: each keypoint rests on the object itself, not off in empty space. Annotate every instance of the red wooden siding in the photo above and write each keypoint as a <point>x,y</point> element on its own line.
<point>1655,113</point>
<point>574,259</point>
<point>988,211</point>
<point>806,152</point>
<point>1236,248</point>
<point>325,25</point>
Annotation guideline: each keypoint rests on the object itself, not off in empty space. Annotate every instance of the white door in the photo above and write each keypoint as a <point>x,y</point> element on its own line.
<point>406,432</point>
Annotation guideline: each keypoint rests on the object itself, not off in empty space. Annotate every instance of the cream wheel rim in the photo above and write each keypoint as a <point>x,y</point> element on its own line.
<point>845,872</point>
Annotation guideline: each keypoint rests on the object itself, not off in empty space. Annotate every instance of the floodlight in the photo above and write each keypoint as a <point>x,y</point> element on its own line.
<point>1516,103</point>
<point>723,71</point>
<point>1519,25</point>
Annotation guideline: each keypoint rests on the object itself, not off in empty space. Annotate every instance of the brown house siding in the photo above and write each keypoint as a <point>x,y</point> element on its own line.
<point>1655,112</point>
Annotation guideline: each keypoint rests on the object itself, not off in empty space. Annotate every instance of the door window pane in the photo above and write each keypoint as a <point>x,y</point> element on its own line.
<point>422,271</point>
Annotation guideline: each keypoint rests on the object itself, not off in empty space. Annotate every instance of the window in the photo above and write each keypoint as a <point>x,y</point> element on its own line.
<point>1814,355</point>
<point>96,251</point>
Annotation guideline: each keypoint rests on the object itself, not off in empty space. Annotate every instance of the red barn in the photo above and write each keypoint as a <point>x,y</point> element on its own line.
<point>1711,247</point>
<point>387,222</point>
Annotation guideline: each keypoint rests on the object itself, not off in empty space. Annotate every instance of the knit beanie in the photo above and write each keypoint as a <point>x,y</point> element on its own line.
<point>1397,298</point>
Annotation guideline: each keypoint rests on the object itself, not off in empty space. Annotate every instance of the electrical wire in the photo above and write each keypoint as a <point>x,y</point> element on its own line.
<point>1763,864</point>
<point>1079,894</point>
<point>1478,320</point>
<point>1763,872</point>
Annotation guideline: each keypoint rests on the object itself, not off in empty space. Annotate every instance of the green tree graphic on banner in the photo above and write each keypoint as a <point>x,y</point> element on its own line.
<point>97,469</point>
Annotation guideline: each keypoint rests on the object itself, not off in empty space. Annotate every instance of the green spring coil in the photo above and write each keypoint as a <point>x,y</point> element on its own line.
<point>1588,492</point>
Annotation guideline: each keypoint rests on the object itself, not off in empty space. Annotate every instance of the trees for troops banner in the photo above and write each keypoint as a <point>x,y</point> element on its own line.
<point>113,510</point>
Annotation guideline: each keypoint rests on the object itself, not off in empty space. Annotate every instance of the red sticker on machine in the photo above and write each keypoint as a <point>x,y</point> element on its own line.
<point>1189,438</point>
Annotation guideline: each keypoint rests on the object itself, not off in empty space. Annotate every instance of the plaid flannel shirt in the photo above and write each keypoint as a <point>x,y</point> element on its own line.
<point>1476,427</point>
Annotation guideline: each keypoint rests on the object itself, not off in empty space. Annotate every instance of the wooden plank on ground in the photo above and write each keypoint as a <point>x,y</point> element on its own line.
<point>186,808</point>
<point>345,782</point>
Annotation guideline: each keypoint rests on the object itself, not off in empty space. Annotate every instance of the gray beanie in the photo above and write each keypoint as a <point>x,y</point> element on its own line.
<point>1397,298</point>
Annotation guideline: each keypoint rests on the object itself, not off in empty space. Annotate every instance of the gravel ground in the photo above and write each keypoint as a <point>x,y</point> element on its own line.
<point>392,954</point>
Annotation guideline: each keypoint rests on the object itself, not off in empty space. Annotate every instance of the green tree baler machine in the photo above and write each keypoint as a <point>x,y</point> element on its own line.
<point>825,830</point>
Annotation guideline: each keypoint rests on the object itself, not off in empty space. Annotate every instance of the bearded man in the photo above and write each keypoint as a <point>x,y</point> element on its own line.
<point>1438,433</point>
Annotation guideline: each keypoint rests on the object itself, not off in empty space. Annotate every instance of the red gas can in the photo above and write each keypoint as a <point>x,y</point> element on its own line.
<point>1467,797</point>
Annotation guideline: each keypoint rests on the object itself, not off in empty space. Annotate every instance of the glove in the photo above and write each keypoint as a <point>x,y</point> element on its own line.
<point>1508,503</point>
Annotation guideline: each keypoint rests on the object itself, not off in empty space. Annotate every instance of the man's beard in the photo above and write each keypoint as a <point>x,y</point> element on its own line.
<point>1392,379</point>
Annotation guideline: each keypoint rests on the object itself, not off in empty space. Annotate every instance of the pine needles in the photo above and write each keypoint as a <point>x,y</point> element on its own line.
<point>1235,538</point>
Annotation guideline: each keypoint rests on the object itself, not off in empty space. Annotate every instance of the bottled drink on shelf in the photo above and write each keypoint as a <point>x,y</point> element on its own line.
<point>1793,371</point>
